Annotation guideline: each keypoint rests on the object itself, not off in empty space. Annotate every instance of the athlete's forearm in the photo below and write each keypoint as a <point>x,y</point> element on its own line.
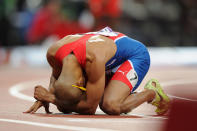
<point>51,84</point>
<point>90,102</point>
<point>82,107</point>
<point>65,107</point>
<point>85,108</point>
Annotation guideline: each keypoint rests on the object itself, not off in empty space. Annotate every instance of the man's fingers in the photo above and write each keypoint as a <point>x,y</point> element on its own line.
<point>38,104</point>
<point>36,97</point>
<point>34,107</point>
<point>31,108</point>
<point>28,111</point>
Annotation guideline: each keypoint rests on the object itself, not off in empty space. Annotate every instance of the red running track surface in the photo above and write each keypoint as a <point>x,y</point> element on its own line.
<point>17,86</point>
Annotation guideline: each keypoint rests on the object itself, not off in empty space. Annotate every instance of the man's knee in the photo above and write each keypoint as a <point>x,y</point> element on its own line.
<point>111,107</point>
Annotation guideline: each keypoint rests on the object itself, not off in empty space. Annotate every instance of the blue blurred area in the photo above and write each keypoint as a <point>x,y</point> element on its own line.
<point>153,22</point>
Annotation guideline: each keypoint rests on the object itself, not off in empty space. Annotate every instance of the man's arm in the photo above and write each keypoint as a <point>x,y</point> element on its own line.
<point>52,82</point>
<point>95,86</point>
<point>43,96</point>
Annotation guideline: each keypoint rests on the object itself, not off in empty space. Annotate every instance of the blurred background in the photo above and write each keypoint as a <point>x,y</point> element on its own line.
<point>167,27</point>
<point>28,27</point>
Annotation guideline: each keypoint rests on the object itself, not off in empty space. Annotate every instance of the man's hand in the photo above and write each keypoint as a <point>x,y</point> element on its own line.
<point>40,93</point>
<point>37,105</point>
<point>43,97</point>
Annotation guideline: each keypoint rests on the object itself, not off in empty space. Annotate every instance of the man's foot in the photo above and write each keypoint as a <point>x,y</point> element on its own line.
<point>161,101</point>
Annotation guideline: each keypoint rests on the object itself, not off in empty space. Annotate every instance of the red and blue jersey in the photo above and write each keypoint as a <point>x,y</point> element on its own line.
<point>128,49</point>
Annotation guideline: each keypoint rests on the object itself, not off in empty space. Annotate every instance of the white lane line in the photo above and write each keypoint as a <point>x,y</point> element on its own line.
<point>123,120</point>
<point>181,98</point>
<point>15,90</point>
<point>179,82</point>
<point>76,128</point>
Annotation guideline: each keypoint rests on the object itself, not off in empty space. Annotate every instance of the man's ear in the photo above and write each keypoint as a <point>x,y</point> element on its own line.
<point>81,81</point>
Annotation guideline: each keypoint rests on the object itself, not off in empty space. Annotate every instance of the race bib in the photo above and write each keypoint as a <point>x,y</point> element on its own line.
<point>105,32</point>
<point>132,77</point>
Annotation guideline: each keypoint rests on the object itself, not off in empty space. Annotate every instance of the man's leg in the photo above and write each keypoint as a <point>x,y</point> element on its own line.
<point>117,98</point>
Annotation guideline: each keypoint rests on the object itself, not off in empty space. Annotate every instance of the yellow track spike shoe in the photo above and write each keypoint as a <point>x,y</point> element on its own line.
<point>161,101</point>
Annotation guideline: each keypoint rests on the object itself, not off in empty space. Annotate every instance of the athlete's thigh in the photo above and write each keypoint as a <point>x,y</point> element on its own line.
<point>122,82</point>
<point>116,91</point>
